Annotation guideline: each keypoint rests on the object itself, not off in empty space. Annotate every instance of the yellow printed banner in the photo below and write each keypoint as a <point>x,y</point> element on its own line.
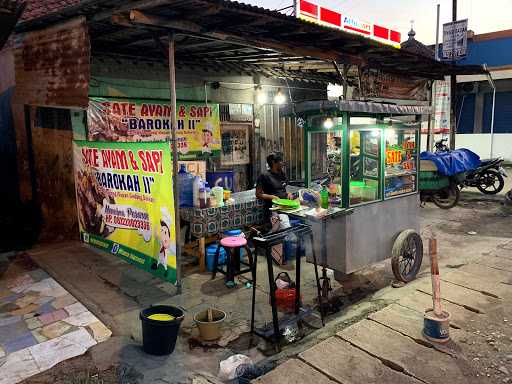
<point>136,120</point>
<point>125,202</point>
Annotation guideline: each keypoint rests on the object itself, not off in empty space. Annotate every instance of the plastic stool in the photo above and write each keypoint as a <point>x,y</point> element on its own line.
<point>232,246</point>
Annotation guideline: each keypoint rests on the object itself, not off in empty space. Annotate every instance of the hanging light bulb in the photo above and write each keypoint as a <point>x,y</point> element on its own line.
<point>261,97</point>
<point>328,123</point>
<point>279,98</point>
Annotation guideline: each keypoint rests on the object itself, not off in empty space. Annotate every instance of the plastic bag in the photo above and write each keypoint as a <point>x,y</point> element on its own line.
<point>228,367</point>
<point>279,222</point>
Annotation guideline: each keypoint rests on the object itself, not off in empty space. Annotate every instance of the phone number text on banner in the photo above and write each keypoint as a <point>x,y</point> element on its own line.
<point>125,202</point>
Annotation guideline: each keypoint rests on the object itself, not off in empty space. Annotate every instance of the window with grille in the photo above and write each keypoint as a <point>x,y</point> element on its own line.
<point>54,118</point>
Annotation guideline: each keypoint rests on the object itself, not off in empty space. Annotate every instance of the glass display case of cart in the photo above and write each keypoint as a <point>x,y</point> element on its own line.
<point>324,144</point>
<point>361,158</point>
<point>365,160</point>
<point>401,156</point>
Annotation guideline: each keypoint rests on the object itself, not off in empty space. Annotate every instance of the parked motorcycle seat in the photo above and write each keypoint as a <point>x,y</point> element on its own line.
<point>485,162</point>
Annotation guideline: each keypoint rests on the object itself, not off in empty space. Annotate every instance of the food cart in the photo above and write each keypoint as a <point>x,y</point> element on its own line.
<point>366,154</point>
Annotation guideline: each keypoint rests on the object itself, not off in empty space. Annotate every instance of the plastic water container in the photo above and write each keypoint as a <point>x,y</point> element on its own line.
<point>210,256</point>
<point>291,243</point>
<point>185,183</point>
<point>197,184</point>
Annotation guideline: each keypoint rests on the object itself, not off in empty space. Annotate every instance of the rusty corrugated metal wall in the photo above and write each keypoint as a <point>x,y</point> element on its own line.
<point>281,134</point>
<point>52,69</point>
<point>53,66</point>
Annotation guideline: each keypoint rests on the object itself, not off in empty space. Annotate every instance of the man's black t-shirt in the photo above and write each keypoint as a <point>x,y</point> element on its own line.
<point>272,184</point>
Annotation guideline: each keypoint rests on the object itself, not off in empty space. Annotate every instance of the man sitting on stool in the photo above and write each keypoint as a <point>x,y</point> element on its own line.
<point>271,185</point>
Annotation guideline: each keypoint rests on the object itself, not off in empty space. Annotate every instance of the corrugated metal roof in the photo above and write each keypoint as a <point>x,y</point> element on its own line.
<point>238,25</point>
<point>10,12</point>
<point>39,8</point>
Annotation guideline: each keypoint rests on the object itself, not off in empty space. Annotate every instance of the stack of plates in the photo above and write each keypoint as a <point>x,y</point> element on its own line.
<point>286,204</point>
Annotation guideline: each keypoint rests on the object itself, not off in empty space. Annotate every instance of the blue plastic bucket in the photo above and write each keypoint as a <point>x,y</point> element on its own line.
<point>233,232</point>
<point>210,256</point>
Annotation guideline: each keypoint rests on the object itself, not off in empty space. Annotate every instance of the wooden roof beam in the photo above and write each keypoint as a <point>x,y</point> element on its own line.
<point>242,39</point>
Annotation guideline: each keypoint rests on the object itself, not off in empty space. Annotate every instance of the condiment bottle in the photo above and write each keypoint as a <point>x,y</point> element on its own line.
<point>324,198</point>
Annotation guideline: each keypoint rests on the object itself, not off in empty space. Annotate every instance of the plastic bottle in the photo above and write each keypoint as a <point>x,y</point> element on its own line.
<point>185,183</point>
<point>198,184</point>
<point>202,198</point>
<point>208,196</point>
<point>324,198</point>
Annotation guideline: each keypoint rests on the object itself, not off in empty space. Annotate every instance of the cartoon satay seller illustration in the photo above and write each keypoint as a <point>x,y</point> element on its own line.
<point>207,137</point>
<point>167,248</point>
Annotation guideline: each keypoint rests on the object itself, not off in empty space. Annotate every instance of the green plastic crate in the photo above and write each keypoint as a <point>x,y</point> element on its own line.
<point>432,180</point>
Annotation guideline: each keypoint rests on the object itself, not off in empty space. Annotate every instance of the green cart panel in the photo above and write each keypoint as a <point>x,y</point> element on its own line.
<point>432,180</point>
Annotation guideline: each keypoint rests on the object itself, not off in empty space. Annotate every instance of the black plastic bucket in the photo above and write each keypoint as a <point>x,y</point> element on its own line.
<point>159,337</point>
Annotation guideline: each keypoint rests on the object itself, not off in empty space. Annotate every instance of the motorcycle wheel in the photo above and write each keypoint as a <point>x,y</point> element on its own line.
<point>491,182</point>
<point>447,198</point>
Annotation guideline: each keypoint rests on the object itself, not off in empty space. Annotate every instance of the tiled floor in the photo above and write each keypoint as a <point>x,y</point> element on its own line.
<point>41,324</point>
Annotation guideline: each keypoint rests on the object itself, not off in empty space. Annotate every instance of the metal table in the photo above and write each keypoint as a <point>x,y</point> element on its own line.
<point>266,242</point>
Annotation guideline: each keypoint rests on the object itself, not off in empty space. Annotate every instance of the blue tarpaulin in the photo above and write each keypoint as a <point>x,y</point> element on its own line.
<point>453,162</point>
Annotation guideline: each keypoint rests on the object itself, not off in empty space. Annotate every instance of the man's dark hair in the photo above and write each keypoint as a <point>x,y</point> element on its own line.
<point>274,157</point>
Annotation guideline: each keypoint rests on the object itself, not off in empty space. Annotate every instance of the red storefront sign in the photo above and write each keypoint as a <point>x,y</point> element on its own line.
<point>312,12</point>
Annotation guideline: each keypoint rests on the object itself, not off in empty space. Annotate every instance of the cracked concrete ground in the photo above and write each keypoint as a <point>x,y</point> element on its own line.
<point>115,291</point>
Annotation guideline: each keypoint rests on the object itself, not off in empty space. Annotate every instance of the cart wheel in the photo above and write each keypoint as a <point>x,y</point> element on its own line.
<point>407,255</point>
<point>448,197</point>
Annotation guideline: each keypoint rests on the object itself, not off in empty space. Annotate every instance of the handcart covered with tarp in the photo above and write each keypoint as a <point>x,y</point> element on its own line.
<point>442,173</point>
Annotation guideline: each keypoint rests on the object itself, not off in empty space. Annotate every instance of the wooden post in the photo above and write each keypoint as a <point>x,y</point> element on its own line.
<point>202,254</point>
<point>172,90</point>
<point>436,285</point>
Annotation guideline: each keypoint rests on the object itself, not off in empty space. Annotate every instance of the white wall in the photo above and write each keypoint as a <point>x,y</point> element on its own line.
<point>480,143</point>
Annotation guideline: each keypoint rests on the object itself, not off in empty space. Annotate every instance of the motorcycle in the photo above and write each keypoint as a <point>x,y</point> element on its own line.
<point>488,177</point>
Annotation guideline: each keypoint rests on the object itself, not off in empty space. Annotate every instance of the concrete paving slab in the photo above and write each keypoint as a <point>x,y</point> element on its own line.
<point>501,263</point>
<point>463,344</point>
<point>488,286</point>
<point>405,354</point>
<point>401,319</point>
<point>292,372</point>
<point>468,298</point>
<point>486,271</point>
<point>420,301</point>
<point>349,365</point>
<point>95,292</point>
